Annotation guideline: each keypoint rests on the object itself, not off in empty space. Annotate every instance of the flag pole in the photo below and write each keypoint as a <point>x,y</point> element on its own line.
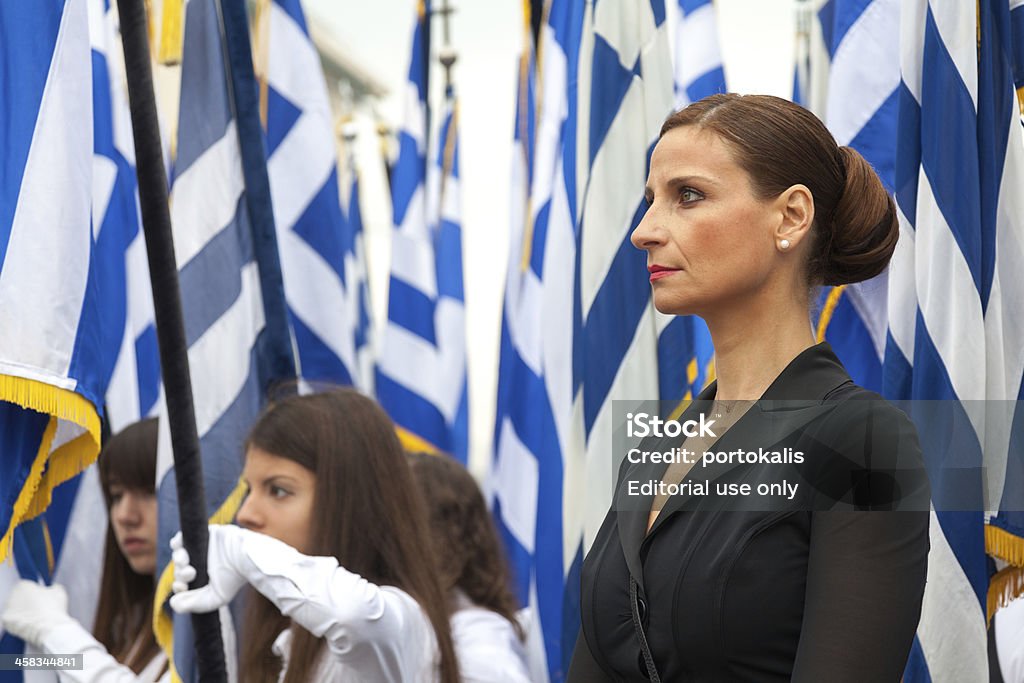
<point>170,325</point>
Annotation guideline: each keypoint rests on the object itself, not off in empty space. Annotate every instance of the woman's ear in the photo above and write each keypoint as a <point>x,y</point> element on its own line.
<point>796,211</point>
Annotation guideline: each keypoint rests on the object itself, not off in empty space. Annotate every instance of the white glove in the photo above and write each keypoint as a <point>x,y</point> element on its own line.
<point>223,564</point>
<point>34,610</point>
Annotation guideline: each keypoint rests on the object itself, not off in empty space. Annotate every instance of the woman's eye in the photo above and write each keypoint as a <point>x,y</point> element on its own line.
<point>278,492</point>
<point>688,194</point>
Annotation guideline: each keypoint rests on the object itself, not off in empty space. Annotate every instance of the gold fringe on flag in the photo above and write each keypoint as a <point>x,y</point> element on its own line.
<point>1004,545</point>
<point>1005,587</point>
<point>172,32</point>
<point>1008,584</point>
<point>48,470</point>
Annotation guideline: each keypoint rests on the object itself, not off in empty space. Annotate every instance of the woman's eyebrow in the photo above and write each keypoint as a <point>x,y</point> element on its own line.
<point>688,179</point>
<point>682,181</point>
<point>275,478</point>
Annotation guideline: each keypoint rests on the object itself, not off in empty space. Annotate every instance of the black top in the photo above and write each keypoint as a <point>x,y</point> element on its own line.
<point>811,590</point>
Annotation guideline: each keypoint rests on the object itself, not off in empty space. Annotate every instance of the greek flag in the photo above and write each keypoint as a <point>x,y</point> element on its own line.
<point>956,331</point>
<point>226,254</point>
<point>421,370</point>
<point>852,81</point>
<point>625,92</point>
<point>134,387</point>
<point>55,347</point>
<point>535,430</point>
<point>685,352</point>
<point>60,546</point>
<point>321,252</point>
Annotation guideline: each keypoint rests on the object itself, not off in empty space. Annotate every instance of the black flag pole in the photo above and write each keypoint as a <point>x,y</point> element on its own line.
<point>170,325</point>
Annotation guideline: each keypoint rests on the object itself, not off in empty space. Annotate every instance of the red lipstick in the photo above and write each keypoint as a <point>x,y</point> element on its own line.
<point>657,272</point>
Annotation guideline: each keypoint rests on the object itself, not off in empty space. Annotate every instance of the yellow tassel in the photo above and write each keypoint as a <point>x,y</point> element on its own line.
<point>1004,545</point>
<point>41,397</point>
<point>172,32</point>
<point>1005,587</point>
<point>48,469</point>
<point>65,463</point>
<point>826,313</point>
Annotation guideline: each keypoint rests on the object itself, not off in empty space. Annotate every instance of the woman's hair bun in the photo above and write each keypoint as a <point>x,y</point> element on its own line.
<point>857,240</point>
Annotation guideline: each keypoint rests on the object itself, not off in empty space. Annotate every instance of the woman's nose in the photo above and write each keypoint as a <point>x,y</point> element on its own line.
<point>126,510</point>
<point>248,515</point>
<point>645,235</point>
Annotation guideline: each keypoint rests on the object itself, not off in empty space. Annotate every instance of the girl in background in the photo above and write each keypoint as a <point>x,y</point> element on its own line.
<point>474,572</point>
<point>122,647</point>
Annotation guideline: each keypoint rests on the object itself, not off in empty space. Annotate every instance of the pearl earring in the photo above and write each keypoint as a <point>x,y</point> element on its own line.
<point>783,245</point>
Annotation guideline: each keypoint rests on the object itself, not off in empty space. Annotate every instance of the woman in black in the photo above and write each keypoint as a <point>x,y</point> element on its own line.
<point>752,205</point>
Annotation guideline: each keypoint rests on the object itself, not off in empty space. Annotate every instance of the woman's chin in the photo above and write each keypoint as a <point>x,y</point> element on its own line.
<point>674,307</point>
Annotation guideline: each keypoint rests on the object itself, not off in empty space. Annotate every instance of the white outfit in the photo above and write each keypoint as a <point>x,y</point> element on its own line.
<point>377,649</point>
<point>486,645</point>
<point>38,615</point>
<point>1010,641</point>
<point>373,633</point>
<point>98,665</point>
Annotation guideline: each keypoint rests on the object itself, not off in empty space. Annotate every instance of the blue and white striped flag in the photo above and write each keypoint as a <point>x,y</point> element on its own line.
<point>852,84</point>
<point>55,351</point>
<point>321,252</point>
<point>535,429</point>
<point>697,58</point>
<point>226,255</point>
<point>421,370</point>
<point>135,377</point>
<point>625,93</point>
<point>956,330</point>
<point>685,352</point>
<point>60,545</point>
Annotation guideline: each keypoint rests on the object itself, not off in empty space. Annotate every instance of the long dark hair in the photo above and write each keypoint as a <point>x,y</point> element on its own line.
<point>470,554</point>
<point>124,613</point>
<point>349,443</point>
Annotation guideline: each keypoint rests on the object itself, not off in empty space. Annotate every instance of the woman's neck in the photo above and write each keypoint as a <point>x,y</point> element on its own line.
<point>753,346</point>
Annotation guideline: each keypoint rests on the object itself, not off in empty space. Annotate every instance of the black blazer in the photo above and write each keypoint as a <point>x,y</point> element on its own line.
<point>812,589</point>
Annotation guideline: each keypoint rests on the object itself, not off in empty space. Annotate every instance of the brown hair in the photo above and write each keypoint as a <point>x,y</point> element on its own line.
<point>469,551</point>
<point>124,612</point>
<point>780,144</point>
<point>350,444</point>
